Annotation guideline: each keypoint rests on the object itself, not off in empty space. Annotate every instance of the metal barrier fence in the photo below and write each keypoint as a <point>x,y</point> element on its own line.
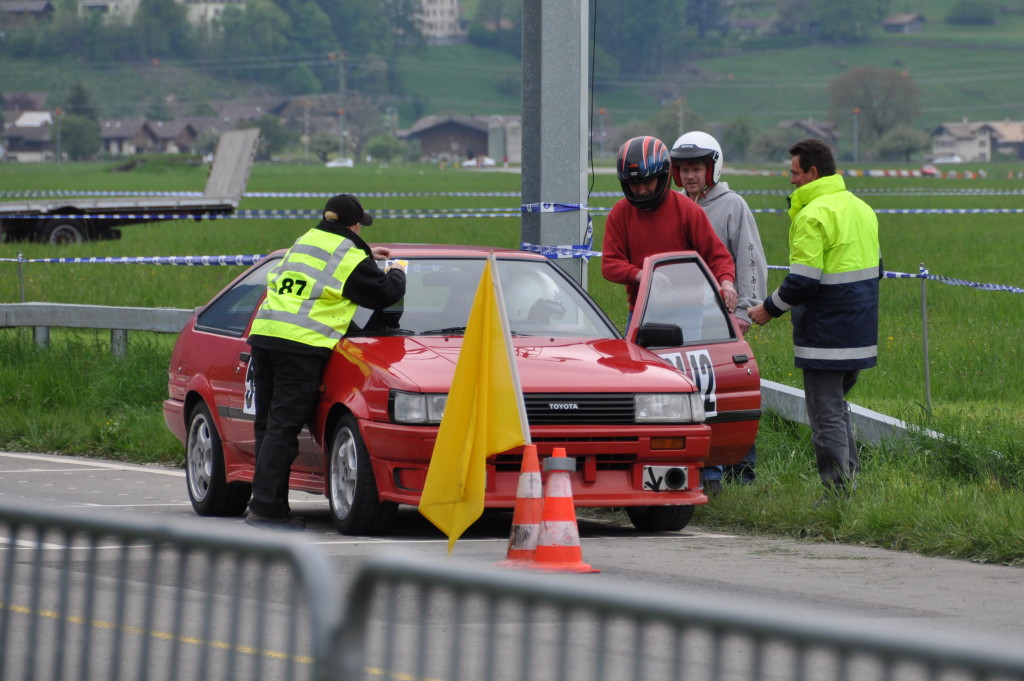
<point>87,595</point>
<point>406,619</point>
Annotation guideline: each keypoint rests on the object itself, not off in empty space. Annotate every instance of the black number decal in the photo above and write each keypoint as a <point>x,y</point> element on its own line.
<point>703,371</point>
<point>288,283</point>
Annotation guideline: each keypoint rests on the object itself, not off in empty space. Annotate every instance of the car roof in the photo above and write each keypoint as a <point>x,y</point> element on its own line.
<point>448,250</point>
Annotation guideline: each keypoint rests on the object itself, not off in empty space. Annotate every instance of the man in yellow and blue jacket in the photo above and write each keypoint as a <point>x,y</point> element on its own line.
<point>312,295</point>
<point>832,291</point>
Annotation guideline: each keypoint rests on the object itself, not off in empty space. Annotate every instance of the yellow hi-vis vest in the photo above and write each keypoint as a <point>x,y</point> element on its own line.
<point>304,301</point>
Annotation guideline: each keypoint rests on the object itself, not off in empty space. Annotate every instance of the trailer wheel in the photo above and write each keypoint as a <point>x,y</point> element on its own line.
<point>61,231</point>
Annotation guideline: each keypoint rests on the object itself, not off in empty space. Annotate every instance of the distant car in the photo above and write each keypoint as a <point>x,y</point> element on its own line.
<point>341,162</point>
<point>633,421</point>
<point>929,170</point>
<point>952,158</point>
<point>479,162</point>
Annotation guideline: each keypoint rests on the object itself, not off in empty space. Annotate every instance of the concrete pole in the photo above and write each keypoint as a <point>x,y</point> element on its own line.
<point>555,123</point>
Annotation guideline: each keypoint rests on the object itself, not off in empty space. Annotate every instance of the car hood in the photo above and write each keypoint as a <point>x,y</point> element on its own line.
<point>546,365</point>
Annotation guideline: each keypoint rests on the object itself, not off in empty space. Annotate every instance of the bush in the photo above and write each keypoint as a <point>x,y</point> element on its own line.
<point>973,12</point>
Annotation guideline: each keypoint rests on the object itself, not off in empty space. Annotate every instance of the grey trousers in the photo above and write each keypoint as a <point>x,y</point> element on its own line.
<point>834,445</point>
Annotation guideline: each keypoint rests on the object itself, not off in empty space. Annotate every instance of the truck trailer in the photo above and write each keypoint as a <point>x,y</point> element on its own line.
<point>73,220</point>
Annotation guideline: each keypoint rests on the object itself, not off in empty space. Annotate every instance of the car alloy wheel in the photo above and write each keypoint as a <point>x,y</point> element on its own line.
<point>209,492</point>
<point>356,507</point>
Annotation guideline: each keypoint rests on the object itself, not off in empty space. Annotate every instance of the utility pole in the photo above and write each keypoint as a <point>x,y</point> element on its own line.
<point>856,120</point>
<point>555,125</point>
<point>57,113</point>
<point>340,57</point>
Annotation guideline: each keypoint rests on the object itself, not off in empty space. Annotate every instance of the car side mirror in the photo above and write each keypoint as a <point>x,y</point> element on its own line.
<point>659,336</point>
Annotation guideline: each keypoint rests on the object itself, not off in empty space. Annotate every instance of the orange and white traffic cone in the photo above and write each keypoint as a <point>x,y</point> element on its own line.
<point>522,540</point>
<point>558,548</point>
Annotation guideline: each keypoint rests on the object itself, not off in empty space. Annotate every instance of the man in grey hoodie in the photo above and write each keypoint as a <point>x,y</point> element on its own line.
<point>697,168</point>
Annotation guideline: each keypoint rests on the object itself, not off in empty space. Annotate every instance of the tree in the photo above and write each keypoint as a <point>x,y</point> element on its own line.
<point>643,37</point>
<point>706,15</point>
<point>973,12</point>
<point>80,102</point>
<point>259,29</point>
<point>273,136</point>
<point>160,29</point>
<point>80,137</point>
<point>902,142</point>
<point>322,144</point>
<point>885,98</point>
<point>848,22</point>
<point>772,145</point>
<point>384,148</point>
<point>736,138</point>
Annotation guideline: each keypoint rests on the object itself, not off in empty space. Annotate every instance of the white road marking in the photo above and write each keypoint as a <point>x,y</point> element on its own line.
<point>92,464</point>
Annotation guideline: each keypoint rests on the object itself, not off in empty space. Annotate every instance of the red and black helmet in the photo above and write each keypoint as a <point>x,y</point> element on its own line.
<point>643,159</point>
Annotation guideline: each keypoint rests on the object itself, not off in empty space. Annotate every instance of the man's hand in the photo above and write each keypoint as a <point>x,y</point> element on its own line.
<point>743,324</point>
<point>396,265</point>
<point>729,296</point>
<point>380,253</point>
<point>759,315</point>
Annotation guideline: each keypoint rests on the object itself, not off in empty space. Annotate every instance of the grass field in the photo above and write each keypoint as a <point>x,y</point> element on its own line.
<point>975,359</point>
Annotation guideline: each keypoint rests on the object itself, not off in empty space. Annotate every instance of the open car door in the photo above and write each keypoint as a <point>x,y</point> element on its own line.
<point>681,317</point>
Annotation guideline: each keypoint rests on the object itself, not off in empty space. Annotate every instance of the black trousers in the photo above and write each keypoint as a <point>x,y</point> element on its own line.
<point>287,392</point>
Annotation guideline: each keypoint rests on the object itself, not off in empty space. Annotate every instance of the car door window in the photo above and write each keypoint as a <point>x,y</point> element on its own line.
<point>230,313</point>
<point>681,294</point>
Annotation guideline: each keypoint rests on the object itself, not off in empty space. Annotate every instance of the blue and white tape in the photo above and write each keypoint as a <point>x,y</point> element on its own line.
<point>924,274</point>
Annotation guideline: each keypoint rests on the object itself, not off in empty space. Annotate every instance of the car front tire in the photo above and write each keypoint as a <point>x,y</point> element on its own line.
<point>659,518</point>
<point>356,507</point>
<point>208,491</point>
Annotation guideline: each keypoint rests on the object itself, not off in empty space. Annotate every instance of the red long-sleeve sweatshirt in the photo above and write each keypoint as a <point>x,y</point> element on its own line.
<point>678,224</point>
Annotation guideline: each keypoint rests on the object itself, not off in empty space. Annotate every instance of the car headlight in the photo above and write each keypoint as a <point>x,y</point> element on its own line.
<point>669,408</point>
<point>421,408</point>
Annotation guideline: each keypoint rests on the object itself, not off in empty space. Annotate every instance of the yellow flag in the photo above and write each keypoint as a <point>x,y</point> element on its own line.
<point>484,415</point>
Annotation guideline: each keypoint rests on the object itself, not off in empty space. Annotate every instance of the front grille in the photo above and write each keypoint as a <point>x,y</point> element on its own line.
<point>572,409</point>
<point>513,463</point>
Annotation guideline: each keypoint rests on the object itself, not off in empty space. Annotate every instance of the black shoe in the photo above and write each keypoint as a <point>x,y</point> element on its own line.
<point>289,523</point>
<point>712,487</point>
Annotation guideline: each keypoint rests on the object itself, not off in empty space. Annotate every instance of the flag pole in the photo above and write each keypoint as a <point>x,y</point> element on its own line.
<point>507,338</point>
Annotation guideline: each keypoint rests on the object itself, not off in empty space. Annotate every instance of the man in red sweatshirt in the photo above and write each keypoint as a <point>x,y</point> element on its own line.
<point>653,219</point>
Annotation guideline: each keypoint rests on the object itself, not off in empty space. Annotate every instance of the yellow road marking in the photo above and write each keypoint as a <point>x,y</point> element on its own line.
<point>161,635</point>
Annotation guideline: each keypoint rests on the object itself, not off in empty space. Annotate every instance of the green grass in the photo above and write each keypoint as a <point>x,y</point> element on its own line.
<point>957,497</point>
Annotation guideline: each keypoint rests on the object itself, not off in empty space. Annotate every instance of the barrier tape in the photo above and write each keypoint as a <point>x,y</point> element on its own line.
<point>924,274</point>
<point>580,251</point>
<point>901,191</point>
<point>190,260</point>
<point>399,214</point>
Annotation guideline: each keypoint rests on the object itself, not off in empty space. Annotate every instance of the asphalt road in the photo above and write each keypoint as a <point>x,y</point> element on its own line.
<point>876,587</point>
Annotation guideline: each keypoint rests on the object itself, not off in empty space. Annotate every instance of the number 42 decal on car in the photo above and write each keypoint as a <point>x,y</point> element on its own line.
<point>698,366</point>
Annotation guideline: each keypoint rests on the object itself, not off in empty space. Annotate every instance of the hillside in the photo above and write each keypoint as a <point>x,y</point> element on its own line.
<point>960,70</point>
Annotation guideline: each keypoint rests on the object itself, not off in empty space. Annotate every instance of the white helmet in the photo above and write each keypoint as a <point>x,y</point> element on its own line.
<point>532,296</point>
<point>697,146</point>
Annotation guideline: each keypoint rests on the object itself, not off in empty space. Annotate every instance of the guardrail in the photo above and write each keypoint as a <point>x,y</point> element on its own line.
<point>412,619</point>
<point>120,320</point>
<point>90,595</point>
<point>872,427</point>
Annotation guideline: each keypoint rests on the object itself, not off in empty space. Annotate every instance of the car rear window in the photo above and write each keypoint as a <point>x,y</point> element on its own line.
<point>229,313</point>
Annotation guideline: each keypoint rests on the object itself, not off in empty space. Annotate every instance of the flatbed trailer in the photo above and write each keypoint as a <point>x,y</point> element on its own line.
<point>73,220</point>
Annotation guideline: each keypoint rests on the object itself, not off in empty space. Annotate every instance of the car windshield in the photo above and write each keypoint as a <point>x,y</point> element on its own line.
<point>540,299</point>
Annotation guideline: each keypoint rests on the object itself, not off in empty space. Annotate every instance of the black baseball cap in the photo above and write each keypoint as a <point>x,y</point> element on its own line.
<point>346,210</point>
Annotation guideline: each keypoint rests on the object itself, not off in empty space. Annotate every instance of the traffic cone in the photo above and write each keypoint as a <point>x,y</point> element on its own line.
<point>558,548</point>
<point>522,540</point>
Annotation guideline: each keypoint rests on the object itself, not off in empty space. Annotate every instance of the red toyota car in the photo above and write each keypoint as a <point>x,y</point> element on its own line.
<point>633,421</point>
